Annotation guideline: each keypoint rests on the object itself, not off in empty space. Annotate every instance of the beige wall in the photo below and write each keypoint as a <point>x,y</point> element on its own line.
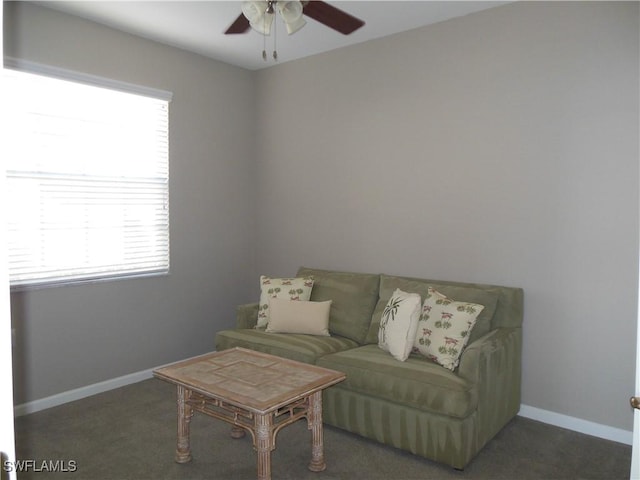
<point>70,337</point>
<point>501,147</point>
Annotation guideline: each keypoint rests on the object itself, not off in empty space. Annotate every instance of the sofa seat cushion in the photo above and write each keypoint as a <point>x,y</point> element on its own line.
<point>300,347</point>
<point>418,383</point>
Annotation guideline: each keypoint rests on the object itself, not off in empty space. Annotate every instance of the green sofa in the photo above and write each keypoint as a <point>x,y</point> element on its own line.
<point>416,405</point>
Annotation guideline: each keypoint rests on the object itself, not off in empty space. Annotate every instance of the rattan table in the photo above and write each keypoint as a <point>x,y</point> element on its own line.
<point>254,392</point>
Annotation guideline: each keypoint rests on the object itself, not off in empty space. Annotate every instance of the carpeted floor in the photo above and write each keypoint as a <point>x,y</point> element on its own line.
<point>129,433</point>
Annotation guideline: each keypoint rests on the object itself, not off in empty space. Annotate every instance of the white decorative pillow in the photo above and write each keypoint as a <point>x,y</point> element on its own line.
<point>398,324</point>
<point>288,316</point>
<point>289,288</point>
<point>444,328</point>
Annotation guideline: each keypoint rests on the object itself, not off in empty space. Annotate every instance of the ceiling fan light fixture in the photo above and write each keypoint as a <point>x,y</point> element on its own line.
<point>291,13</point>
<point>260,19</point>
<point>260,15</point>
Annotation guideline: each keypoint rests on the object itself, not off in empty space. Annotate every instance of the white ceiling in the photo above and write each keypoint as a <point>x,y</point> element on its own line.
<point>198,26</point>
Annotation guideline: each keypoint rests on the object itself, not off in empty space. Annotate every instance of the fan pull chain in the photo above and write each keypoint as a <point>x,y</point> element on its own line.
<point>264,39</point>
<point>275,53</point>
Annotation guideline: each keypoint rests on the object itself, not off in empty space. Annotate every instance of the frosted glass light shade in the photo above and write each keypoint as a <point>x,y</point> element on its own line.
<point>291,13</point>
<point>259,19</point>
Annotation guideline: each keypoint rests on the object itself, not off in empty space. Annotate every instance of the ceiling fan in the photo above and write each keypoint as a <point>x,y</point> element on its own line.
<point>259,16</point>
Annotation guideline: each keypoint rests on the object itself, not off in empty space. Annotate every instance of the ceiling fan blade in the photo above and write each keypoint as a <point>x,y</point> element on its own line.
<point>332,17</point>
<point>241,25</point>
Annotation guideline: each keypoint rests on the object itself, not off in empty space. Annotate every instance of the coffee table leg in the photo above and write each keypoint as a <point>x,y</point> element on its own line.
<point>185,412</point>
<point>314,419</point>
<point>264,445</point>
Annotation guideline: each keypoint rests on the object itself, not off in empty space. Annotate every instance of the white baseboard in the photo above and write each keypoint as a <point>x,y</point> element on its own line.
<point>577,424</point>
<point>86,391</point>
<point>82,392</point>
<point>544,416</point>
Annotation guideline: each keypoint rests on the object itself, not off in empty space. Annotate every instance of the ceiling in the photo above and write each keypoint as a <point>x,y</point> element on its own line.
<point>199,26</point>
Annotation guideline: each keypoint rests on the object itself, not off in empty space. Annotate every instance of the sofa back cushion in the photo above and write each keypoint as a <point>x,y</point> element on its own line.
<point>353,296</point>
<point>459,292</point>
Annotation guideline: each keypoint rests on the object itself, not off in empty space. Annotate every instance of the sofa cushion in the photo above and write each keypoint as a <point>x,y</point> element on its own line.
<point>354,297</point>
<point>399,324</point>
<point>444,327</point>
<point>417,383</point>
<point>389,283</point>
<point>289,288</point>
<point>304,348</point>
<point>289,316</point>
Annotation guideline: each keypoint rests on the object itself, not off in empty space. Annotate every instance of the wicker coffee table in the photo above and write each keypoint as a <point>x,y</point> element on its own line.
<point>254,392</point>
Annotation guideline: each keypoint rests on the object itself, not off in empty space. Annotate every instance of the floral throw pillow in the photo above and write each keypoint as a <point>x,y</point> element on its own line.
<point>287,288</point>
<point>398,324</point>
<point>444,328</point>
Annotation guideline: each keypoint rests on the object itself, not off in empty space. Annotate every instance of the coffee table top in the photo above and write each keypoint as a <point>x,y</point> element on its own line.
<point>253,380</point>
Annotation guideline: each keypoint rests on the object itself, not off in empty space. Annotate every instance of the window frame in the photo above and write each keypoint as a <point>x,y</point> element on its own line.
<point>118,86</point>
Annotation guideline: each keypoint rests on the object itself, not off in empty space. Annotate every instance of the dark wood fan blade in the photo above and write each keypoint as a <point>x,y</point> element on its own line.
<point>332,17</point>
<point>241,25</point>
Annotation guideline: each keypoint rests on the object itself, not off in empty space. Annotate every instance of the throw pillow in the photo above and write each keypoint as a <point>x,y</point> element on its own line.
<point>486,295</point>
<point>288,316</point>
<point>399,323</point>
<point>289,288</point>
<point>444,328</point>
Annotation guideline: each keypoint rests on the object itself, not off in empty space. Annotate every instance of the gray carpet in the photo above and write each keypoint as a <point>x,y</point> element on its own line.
<point>129,433</point>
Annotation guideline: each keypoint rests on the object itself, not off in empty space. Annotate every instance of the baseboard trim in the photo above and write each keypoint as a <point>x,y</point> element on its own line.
<point>86,391</point>
<point>544,416</point>
<point>578,425</point>
<point>79,393</point>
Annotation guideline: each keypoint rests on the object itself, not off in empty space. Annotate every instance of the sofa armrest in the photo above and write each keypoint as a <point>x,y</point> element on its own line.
<point>495,356</point>
<point>247,315</point>
<point>493,363</point>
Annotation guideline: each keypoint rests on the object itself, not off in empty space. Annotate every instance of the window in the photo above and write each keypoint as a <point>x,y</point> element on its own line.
<point>87,178</point>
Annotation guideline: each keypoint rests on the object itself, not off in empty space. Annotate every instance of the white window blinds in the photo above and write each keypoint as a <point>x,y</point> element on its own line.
<point>88,181</point>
